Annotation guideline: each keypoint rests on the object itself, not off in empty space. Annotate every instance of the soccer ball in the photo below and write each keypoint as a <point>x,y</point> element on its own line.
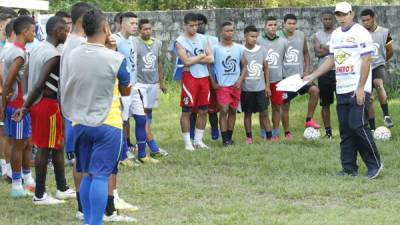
<point>382,134</point>
<point>311,133</point>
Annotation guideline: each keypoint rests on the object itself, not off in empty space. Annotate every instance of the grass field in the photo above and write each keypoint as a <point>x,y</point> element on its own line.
<point>266,183</point>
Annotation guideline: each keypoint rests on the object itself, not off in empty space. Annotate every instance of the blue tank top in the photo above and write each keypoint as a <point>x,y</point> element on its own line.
<point>227,63</point>
<point>194,47</point>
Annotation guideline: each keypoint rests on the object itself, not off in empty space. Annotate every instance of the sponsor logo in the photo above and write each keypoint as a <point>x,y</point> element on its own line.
<point>341,56</point>
<point>292,55</point>
<point>345,69</point>
<point>254,69</point>
<point>272,57</point>
<point>229,64</point>
<point>376,46</point>
<point>198,51</point>
<point>149,60</point>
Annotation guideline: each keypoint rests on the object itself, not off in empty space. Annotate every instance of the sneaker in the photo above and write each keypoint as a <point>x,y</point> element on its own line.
<point>289,136</point>
<point>374,173</point>
<point>312,124</point>
<point>121,204</point>
<point>388,122</point>
<point>249,141</point>
<point>79,215</point>
<point>227,143</point>
<point>189,147</point>
<point>328,136</point>
<point>130,155</point>
<point>7,179</point>
<point>68,194</point>
<point>118,218</point>
<point>343,173</point>
<point>148,160</point>
<point>161,153</point>
<point>200,145</point>
<point>46,200</point>
<point>29,189</point>
<point>275,139</point>
<point>127,163</point>
<point>18,192</point>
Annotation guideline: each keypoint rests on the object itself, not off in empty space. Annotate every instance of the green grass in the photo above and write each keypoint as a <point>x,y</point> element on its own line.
<point>265,183</point>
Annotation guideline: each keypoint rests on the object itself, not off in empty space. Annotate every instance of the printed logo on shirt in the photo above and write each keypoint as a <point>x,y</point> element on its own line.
<point>254,70</point>
<point>341,56</point>
<point>272,57</point>
<point>132,59</point>
<point>198,51</point>
<point>375,53</point>
<point>149,60</point>
<point>292,55</point>
<point>229,65</point>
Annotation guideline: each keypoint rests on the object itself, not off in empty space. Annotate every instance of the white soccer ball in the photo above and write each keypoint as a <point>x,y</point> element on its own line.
<point>311,133</point>
<point>382,134</point>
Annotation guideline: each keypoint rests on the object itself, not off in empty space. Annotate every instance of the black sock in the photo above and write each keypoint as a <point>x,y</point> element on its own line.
<point>213,118</point>
<point>372,124</point>
<point>230,133</point>
<point>110,208</point>
<point>225,136</point>
<point>287,132</point>
<point>308,119</point>
<point>249,135</point>
<point>78,199</point>
<point>128,141</point>
<point>269,134</point>
<point>385,109</point>
<point>41,160</point>
<point>61,182</point>
<point>40,184</point>
<point>328,131</point>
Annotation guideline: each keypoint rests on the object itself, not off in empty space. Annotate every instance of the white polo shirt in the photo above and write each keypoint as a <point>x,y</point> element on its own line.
<point>347,47</point>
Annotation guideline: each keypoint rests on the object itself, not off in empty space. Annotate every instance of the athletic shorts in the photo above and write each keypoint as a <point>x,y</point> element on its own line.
<point>228,96</point>
<point>68,136</point>
<point>379,73</point>
<point>327,88</point>
<point>253,102</point>
<point>97,149</point>
<point>17,130</point>
<point>150,94</point>
<point>195,91</point>
<point>47,124</point>
<point>213,104</point>
<point>276,96</point>
<point>288,96</point>
<point>136,107</point>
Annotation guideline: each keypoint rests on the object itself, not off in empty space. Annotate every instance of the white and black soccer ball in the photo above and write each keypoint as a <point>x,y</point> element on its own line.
<point>382,134</point>
<point>311,133</point>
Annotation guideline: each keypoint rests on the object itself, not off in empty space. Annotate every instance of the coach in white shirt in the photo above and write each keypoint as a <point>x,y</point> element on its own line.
<point>350,51</point>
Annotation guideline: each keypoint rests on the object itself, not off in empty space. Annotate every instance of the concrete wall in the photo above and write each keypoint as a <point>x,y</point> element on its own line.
<point>168,24</point>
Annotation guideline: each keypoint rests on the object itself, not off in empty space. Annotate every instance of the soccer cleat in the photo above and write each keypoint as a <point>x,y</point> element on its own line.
<point>18,192</point>
<point>227,143</point>
<point>214,134</point>
<point>118,218</point>
<point>161,153</point>
<point>388,122</point>
<point>121,204</point>
<point>46,200</point>
<point>30,189</point>
<point>148,160</point>
<point>67,194</point>
<point>343,173</point>
<point>200,145</point>
<point>328,136</point>
<point>288,136</point>
<point>127,163</point>
<point>275,138</point>
<point>374,173</point>
<point>312,124</point>
<point>7,179</point>
<point>189,147</point>
<point>79,215</point>
<point>249,141</point>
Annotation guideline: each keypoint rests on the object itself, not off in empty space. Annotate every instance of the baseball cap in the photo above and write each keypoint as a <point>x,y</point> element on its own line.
<point>343,7</point>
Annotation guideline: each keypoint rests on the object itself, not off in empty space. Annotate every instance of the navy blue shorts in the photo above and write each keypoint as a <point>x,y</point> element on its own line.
<point>97,149</point>
<point>68,137</point>
<point>17,130</point>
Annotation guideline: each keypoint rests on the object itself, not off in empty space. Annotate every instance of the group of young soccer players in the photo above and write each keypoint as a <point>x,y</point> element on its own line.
<point>77,89</point>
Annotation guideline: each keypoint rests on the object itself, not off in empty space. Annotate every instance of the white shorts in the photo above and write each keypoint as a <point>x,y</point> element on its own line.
<point>150,94</point>
<point>136,107</point>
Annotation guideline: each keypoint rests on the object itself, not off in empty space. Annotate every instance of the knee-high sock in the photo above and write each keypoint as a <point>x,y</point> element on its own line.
<point>140,133</point>
<point>84,191</point>
<point>98,199</point>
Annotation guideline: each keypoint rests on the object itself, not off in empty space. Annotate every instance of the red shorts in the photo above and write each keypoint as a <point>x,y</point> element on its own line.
<point>213,104</point>
<point>47,124</point>
<point>228,96</point>
<point>276,96</point>
<point>195,91</point>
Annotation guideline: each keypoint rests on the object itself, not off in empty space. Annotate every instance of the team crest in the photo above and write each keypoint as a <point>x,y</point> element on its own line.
<point>186,100</point>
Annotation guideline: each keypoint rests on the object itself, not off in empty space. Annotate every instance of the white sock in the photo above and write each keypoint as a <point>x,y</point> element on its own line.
<point>8,170</point>
<point>115,193</point>
<point>198,135</point>
<point>28,179</point>
<point>3,167</point>
<point>186,139</point>
<point>16,184</point>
